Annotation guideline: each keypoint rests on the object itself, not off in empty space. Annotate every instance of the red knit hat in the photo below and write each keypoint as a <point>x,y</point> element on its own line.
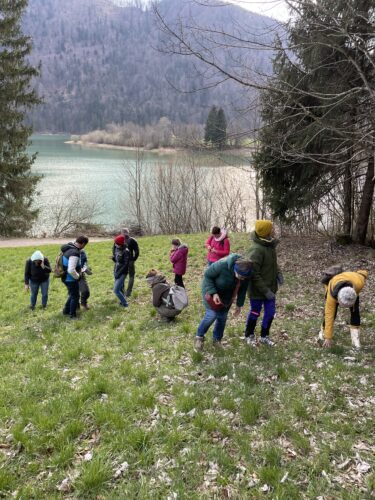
<point>120,240</point>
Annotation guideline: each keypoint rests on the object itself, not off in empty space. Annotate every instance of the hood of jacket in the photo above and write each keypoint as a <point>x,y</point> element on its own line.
<point>69,246</point>
<point>266,242</point>
<point>159,278</point>
<point>231,260</point>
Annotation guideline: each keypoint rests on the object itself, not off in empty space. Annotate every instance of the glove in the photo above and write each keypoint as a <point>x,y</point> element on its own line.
<point>280,278</point>
<point>269,295</point>
<point>88,270</point>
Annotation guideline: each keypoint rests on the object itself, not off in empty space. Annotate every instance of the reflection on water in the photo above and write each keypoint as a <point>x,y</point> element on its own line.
<point>99,174</point>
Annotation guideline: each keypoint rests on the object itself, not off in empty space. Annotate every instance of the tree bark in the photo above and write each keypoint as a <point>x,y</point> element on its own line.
<point>348,194</point>
<point>366,203</point>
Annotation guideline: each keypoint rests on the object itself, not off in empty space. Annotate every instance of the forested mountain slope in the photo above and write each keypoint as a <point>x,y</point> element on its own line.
<point>100,64</point>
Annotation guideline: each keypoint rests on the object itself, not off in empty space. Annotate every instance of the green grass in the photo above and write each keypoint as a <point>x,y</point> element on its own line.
<point>77,400</point>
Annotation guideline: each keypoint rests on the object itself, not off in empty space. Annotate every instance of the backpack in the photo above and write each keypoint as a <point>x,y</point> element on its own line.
<point>59,271</point>
<point>177,298</point>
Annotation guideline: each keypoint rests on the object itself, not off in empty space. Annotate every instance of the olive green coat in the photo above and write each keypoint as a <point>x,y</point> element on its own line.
<point>263,255</point>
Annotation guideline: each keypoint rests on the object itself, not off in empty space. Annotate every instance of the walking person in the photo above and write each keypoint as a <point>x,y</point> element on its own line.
<point>264,283</point>
<point>71,259</point>
<point>342,289</point>
<point>133,248</point>
<point>37,271</point>
<point>224,282</point>
<point>218,245</point>
<point>121,260</point>
<point>84,290</point>
<point>178,256</point>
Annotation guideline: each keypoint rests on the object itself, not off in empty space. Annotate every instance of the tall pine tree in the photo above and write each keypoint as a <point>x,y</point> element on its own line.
<point>17,183</point>
<point>215,131</point>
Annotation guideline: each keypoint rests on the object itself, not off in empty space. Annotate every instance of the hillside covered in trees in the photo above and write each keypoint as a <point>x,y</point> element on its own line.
<point>100,64</point>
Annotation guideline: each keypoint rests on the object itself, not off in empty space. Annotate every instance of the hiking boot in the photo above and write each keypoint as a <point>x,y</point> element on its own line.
<point>217,344</point>
<point>251,340</point>
<point>266,341</point>
<point>74,318</point>
<point>198,344</point>
<point>86,307</point>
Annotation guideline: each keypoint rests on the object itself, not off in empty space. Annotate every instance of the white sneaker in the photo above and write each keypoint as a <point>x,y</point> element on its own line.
<point>354,333</point>
<point>266,341</point>
<point>321,335</point>
<point>251,340</point>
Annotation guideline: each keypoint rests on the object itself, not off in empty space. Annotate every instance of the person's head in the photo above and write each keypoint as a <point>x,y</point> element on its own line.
<point>150,276</point>
<point>81,241</point>
<point>243,269</point>
<point>347,296</point>
<point>215,231</point>
<point>37,257</point>
<point>125,231</point>
<point>263,228</point>
<point>176,242</point>
<point>120,240</point>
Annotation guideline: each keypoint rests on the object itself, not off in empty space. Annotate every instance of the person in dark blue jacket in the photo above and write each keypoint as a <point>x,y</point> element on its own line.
<point>72,266</point>
<point>84,289</point>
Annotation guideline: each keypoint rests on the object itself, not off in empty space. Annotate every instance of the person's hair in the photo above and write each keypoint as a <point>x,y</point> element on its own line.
<point>151,273</point>
<point>82,240</point>
<point>243,266</point>
<point>125,231</point>
<point>176,242</point>
<point>215,230</point>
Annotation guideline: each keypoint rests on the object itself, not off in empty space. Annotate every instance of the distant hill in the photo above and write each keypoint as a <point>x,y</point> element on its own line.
<point>100,64</point>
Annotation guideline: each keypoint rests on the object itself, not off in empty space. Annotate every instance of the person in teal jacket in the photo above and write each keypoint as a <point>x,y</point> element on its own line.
<point>224,282</point>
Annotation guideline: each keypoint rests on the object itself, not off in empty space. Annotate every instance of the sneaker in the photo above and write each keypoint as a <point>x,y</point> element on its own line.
<point>266,341</point>
<point>251,340</point>
<point>74,318</point>
<point>198,344</point>
<point>85,306</point>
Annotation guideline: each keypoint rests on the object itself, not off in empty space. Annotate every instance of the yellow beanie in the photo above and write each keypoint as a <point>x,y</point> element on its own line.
<point>263,228</point>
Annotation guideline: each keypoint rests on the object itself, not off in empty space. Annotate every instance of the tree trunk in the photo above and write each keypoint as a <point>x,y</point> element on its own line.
<point>348,194</point>
<point>366,203</point>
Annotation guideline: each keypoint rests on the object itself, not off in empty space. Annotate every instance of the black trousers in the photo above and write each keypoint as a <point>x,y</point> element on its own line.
<point>178,280</point>
<point>355,317</point>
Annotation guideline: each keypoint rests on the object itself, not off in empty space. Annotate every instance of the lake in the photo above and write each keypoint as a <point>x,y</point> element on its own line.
<point>96,174</point>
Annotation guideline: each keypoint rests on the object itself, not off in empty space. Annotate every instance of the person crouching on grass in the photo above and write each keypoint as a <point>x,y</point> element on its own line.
<point>178,256</point>
<point>342,289</point>
<point>224,282</point>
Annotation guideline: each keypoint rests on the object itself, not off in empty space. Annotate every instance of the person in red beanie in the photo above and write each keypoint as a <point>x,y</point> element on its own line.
<point>121,260</point>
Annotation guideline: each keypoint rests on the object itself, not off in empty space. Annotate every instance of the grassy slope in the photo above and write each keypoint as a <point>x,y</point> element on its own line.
<point>78,400</point>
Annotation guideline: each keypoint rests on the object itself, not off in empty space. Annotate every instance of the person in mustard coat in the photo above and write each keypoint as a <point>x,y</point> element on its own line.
<point>342,289</point>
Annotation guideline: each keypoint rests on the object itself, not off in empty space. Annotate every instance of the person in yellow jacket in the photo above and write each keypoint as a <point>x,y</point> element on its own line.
<point>342,289</point>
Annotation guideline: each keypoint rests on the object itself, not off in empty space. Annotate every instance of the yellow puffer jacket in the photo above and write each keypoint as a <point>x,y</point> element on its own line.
<point>356,279</point>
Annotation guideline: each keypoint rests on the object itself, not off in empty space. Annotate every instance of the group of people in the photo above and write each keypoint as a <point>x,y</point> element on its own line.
<point>228,278</point>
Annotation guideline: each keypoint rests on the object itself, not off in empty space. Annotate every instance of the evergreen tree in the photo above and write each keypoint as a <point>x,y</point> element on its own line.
<point>210,127</point>
<point>318,113</point>
<point>17,183</point>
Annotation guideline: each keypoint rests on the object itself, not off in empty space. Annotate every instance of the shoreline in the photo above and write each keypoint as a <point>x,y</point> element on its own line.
<point>167,151</point>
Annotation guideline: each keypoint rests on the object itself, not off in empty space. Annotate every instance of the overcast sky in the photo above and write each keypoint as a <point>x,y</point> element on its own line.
<point>272,8</point>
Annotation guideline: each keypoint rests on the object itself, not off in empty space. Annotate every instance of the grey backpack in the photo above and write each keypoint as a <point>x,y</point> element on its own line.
<point>177,298</point>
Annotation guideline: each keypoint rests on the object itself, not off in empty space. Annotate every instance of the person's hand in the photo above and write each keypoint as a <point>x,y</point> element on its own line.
<point>209,248</point>
<point>280,278</point>
<point>269,295</point>
<point>216,299</point>
<point>27,288</point>
<point>237,311</point>
<point>213,250</point>
<point>327,344</point>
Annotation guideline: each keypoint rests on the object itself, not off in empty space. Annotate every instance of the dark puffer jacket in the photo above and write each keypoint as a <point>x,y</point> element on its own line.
<point>36,273</point>
<point>263,254</point>
<point>220,278</point>
<point>121,260</point>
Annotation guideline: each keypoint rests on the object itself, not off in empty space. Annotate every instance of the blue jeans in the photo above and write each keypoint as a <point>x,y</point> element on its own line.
<point>118,290</point>
<point>254,313</point>
<point>34,289</point>
<point>73,298</point>
<point>210,316</point>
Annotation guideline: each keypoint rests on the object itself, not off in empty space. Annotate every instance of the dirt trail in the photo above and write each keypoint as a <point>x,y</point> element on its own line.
<point>34,242</point>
